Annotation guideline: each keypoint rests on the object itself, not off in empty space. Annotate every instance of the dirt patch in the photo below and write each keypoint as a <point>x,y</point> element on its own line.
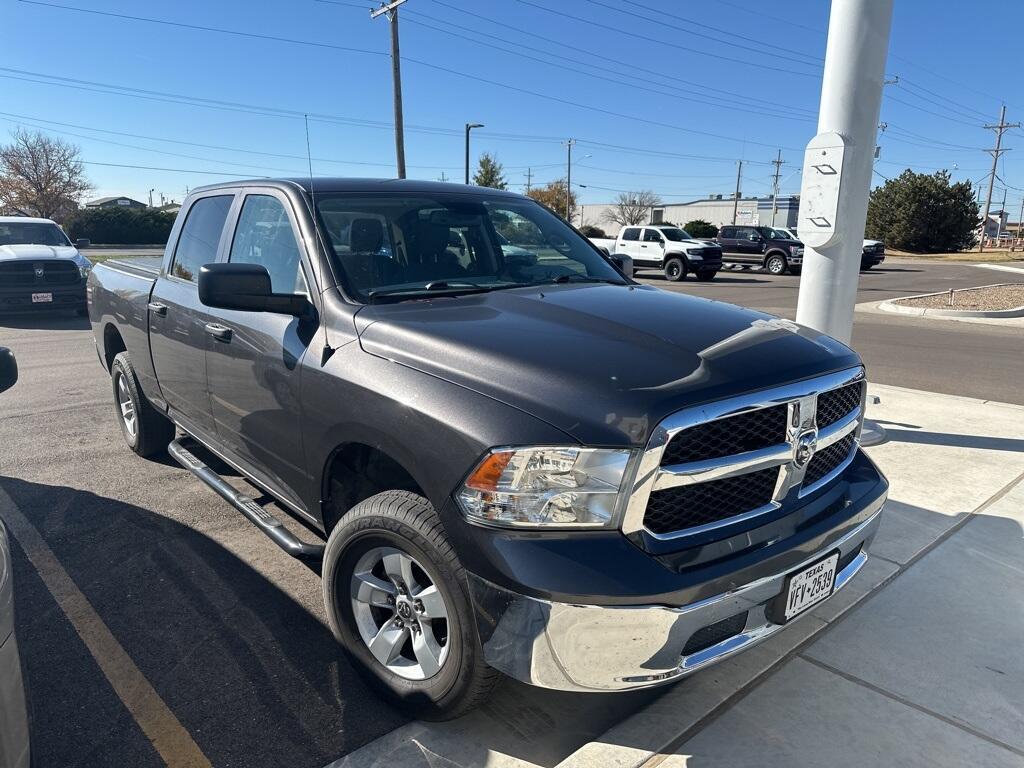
<point>992,256</point>
<point>987,299</point>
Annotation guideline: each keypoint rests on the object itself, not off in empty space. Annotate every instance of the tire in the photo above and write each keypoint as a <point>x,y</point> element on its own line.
<point>405,523</point>
<point>775,264</point>
<point>707,275</point>
<point>148,431</point>
<point>675,270</point>
<point>866,267</point>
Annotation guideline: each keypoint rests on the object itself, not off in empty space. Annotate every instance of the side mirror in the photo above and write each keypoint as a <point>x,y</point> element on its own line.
<point>8,369</point>
<point>83,242</point>
<point>247,287</point>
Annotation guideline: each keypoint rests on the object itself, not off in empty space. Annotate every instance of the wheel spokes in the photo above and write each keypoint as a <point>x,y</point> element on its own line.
<point>427,651</point>
<point>432,602</point>
<point>387,644</point>
<point>398,566</point>
<point>367,588</point>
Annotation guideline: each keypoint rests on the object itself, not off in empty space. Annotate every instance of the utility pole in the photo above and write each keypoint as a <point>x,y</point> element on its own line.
<point>1000,129</point>
<point>839,162</point>
<point>568,180</point>
<point>1020,221</point>
<point>736,197</point>
<point>529,179</point>
<point>1002,212</point>
<point>443,177</point>
<point>391,10</point>
<point>151,197</point>
<point>778,163</point>
<point>469,127</point>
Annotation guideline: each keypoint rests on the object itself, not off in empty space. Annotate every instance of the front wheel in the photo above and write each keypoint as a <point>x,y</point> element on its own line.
<point>775,264</point>
<point>675,270</point>
<point>397,600</point>
<point>707,275</point>
<point>866,267</point>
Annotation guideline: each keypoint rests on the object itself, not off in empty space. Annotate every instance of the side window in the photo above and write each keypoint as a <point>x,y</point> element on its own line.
<point>727,232</point>
<point>652,236</point>
<point>197,243</point>
<point>633,233</point>
<point>264,236</point>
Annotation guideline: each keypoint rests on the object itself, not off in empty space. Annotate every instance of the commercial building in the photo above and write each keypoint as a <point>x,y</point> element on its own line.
<point>717,210</point>
<point>115,202</point>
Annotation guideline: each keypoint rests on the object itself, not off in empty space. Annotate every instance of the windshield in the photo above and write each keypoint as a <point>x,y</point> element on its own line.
<point>676,234</point>
<point>34,233</point>
<point>391,245</point>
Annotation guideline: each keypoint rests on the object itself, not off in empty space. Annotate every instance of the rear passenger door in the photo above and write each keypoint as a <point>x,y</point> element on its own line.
<point>629,243</point>
<point>254,364</point>
<point>177,321</point>
<point>749,244</point>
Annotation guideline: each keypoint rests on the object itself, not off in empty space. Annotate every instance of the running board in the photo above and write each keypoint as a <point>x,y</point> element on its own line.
<point>310,554</point>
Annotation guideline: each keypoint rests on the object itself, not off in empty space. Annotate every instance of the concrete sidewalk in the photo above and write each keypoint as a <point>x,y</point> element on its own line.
<point>917,662</point>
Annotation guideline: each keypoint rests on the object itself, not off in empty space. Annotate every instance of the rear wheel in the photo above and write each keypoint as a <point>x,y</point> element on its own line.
<point>397,600</point>
<point>145,429</point>
<point>864,267</point>
<point>775,264</point>
<point>707,275</point>
<point>675,270</point>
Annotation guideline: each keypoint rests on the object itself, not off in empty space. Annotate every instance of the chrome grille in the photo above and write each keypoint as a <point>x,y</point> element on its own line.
<point>721,463</point>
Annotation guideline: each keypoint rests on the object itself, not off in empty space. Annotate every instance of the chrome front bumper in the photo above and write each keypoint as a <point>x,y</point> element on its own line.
<point>606,648</point>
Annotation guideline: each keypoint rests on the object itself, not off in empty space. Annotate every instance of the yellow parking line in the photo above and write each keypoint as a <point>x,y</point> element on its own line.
<point>168,735</point>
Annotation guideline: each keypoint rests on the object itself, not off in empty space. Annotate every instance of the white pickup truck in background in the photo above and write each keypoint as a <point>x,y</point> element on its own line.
<point>665,247</point>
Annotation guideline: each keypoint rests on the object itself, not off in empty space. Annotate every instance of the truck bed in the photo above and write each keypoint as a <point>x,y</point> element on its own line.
<point>142,266</point>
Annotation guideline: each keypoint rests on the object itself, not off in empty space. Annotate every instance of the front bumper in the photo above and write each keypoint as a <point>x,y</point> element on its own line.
<point>19,298</point>
<point>577,647</point>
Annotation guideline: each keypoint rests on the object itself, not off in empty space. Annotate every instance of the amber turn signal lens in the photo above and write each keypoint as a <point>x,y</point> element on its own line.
<point>486,476</point>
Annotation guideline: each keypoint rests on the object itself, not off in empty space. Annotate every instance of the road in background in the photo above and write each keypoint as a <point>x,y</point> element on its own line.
<point>983,361</point>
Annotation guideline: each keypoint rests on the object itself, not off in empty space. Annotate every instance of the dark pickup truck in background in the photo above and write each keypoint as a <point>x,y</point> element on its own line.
<point>772,248</point>
<point>520,460</point>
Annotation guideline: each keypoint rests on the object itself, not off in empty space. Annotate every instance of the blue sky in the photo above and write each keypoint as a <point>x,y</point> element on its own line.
<point>661,95</point>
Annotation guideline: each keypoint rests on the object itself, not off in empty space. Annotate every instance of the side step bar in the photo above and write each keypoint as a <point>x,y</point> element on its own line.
<point>310,554</point>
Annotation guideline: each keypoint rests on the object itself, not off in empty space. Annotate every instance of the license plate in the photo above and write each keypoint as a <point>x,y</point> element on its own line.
<point>810,586</point>
<point>42,298</point>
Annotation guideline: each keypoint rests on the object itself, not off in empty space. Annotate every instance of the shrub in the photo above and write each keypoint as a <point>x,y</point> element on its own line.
<point>701,228</point>
<point>121,226</point>
<point>589,230</point>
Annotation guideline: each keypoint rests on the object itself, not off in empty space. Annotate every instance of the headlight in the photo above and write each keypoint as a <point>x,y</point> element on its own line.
<point>84,270</point>
<point>547,487</point>
<point>694,256</point>
<point>796,250</point>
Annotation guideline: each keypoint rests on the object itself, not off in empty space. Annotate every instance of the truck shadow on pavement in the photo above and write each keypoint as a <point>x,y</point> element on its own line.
<point>52,322</point>
<point>250,672</point>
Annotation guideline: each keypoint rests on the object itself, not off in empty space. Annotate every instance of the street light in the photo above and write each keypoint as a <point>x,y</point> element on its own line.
<point>469,127</point>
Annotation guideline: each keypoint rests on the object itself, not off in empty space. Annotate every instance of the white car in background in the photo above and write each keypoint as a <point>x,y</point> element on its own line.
<point>665,247</point>
<point>40,268</point>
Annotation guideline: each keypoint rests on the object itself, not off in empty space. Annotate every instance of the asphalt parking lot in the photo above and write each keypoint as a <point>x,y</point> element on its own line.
<point>227,629</point>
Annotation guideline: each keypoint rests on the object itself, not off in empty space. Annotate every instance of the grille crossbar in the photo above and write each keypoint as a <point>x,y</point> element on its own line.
<point>730,461</point>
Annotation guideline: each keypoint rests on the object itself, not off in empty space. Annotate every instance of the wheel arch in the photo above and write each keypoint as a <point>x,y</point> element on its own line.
<point>774,252</point>
<point>113,344</point>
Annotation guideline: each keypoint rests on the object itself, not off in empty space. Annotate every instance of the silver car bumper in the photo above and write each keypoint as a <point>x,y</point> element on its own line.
<point>607,648</point>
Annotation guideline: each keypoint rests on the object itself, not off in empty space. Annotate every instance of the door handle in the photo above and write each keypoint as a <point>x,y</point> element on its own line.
<point>218,331</point>
<point>158,309</point>
<point>643,246</point>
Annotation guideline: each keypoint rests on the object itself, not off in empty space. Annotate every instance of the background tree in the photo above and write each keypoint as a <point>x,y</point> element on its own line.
<point>923,213</point>
<point>632,208</point>
<point>41,175</point>
<point>490,173</point>
<point>701,228</point>
<point>552,195</point>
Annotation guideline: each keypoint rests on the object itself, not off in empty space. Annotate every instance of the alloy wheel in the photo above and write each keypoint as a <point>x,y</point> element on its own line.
<point>400,613</point>
<point>127,405</point>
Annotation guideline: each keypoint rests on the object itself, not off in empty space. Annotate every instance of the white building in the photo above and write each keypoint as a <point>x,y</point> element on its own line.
<point>717,210</point>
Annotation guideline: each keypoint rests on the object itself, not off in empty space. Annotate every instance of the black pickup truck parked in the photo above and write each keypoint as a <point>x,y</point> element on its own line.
<point>519,459</point>
<point>769,247</point>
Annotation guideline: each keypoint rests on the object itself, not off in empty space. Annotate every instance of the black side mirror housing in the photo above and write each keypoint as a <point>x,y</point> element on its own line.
<point>83,242</point>
<point>247,287</point>
<point>8,369</point>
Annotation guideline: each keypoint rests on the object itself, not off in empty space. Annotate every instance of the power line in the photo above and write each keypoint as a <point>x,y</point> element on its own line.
<point>1000,128</point>
<point>420,62</point>
<point>647,39</point>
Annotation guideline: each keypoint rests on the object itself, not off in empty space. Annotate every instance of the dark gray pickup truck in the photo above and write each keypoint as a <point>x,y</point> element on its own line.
<point>514,458</point>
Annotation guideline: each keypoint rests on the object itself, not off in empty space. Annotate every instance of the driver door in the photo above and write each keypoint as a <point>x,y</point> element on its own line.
<point>254,368</point>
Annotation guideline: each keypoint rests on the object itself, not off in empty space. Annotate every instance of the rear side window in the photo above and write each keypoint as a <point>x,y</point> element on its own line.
<point>652,236</point>
<point>727,232</point>
<point>197,243</point>
<point>632,233</point>
<point>264,236</point>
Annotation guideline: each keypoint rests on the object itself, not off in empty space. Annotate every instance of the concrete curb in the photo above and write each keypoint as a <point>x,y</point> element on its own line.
<point>891,306</point>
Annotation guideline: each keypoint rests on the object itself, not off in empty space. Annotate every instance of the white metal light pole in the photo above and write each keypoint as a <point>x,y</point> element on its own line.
<point>838,164</point>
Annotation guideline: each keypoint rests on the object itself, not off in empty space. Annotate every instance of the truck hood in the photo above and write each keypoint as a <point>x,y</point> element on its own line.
<point>35,252</point>
<point>602,363</point>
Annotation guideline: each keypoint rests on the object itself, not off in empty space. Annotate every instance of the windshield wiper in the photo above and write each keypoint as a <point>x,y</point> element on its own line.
<point>578,278</point>
<point>441,287</point>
